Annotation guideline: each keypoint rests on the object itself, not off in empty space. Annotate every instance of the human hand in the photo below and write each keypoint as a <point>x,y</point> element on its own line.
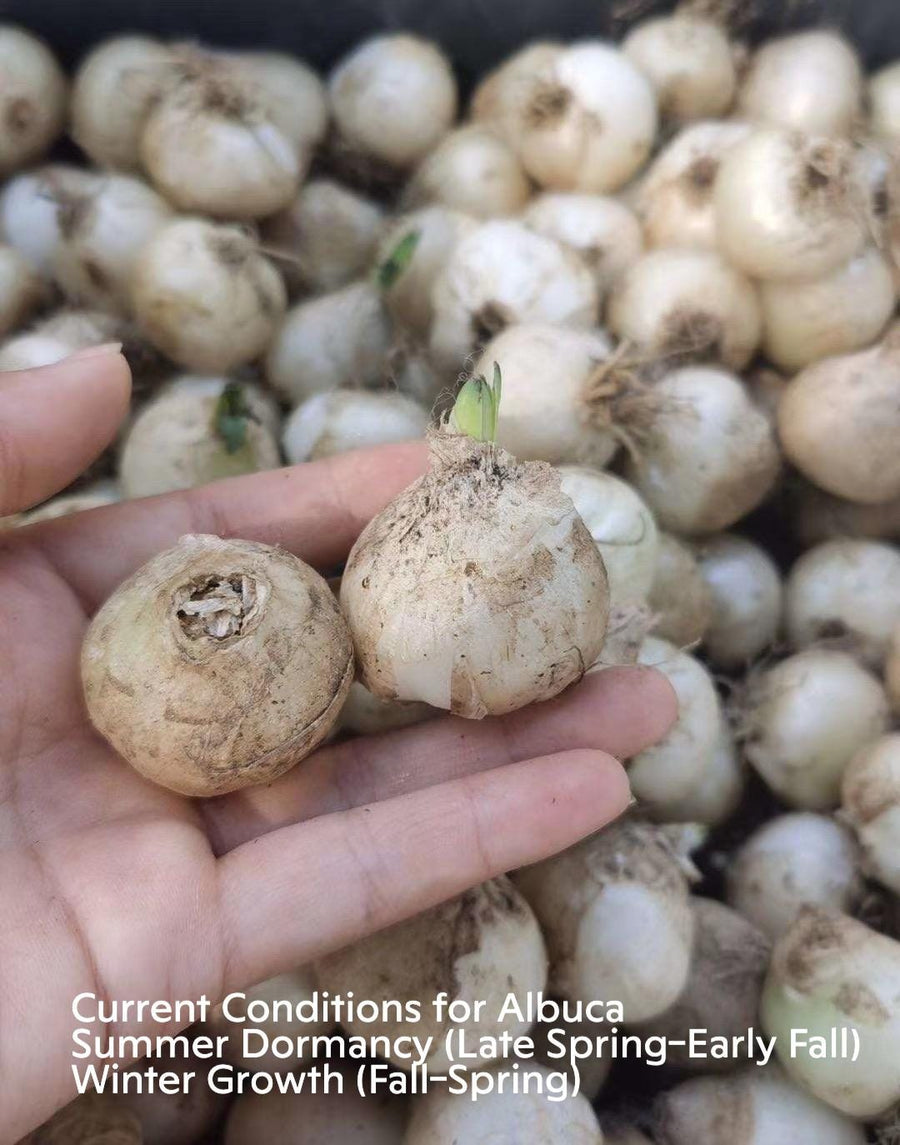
<point>111,885</point>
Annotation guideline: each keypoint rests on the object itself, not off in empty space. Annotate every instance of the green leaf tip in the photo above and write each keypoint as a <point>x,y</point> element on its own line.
<point>477,407</point>
<point>398,260</point>
<point>232,416</point>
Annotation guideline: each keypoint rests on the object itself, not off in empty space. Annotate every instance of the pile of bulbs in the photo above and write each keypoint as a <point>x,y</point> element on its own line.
<point>678,259</point>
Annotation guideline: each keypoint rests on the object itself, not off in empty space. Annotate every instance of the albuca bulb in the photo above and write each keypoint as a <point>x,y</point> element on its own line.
<point>474,171</point>
<point>91,1118</point>
<point>523,603</point>
<point>680,598</point>
<point>790,206</point>
<point>839,421</point>
<point>547,412</point>
<point>830,972</point>
<point>622,527</point>
<point>675,199</point>
<point>722,992</point>
<point>686,306</point>
<point>808,82</point>
<point>794,860</point>
<point>319,1115</point>
<point>870,803</point>
<point>33,205</point>
<point>690,63</point>
<point>326,237</point>
<point>58,336</point>
<point>844,311</point>
<point>177,663</point>
<point>435,231</point>
<point>445,1118</point>
<point>484,945</point>
<point>803,720</point>
<point>205,296</point>
<point>22,290</point>
<point>186,437</point>
<point>593,1072</point>
<point>115,87</point>
<point>331,423</point>
<point>500,274</point>
<point>603,231</point>
<point>670,770</point>
<point>400,80</point>
<point>884,102</point>
<point>290,90</point>
<point>616,917</point>
<point>189,1114</point>
<point>846,591</point>
<point>333,340</point>
<point>211,145</point>
<point>707,455</point>
<point>33,102</point>
<point>585,119</point>
<point>755,1107</point>
<point>746,600</point>
<point>717,793</point>
<point>102,231</point>
<point>501,93</point>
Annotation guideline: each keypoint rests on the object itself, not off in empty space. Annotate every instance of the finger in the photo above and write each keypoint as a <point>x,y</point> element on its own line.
<point>55,421</point>
<point>315,510</point>
<point>620,711</point>
<point>300,892</point>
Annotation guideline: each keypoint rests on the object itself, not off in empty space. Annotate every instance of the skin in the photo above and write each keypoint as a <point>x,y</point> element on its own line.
<point>112,885</point>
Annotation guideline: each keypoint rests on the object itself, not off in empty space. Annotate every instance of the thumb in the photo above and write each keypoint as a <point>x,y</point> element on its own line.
<point>56,420</point>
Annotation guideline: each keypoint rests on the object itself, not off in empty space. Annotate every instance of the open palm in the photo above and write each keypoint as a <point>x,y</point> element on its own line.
<point>111,885</point>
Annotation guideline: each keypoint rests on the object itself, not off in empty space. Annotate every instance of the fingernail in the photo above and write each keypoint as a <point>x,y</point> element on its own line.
<point>96,351</point>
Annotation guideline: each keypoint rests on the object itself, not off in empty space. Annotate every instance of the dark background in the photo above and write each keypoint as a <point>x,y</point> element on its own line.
<point>475,32</point>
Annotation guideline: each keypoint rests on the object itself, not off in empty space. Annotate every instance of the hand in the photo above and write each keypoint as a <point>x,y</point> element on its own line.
<point>112,885</point>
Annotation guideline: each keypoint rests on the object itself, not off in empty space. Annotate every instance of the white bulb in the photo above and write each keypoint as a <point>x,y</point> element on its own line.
<point>500,274</point>
<point>474,171</point>
<point>585,119</point>
<point>808,82</point>
<point>203,294</point>
<point>690,63</point>
<point>686,306</point>
<point>32,98</point>
<point>603,231</point>
<point>548,412</point>
<point>674,198</point>
<point>333,340</point>
<point>843,311</point>
<point>747,600</point>
<point>393,98</point>
<point>330,423</point>
<point>622,527</point>
<point>790,206</point>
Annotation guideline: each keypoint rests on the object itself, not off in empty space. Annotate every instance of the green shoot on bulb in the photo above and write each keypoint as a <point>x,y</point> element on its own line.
<point>477,407</point>
<point>232,417</point>
<point>398,260</point>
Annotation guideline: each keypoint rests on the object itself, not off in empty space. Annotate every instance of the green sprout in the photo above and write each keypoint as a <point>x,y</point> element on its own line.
<point>398,260</point>
<point>477,407</point>
<point>232,416</point>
